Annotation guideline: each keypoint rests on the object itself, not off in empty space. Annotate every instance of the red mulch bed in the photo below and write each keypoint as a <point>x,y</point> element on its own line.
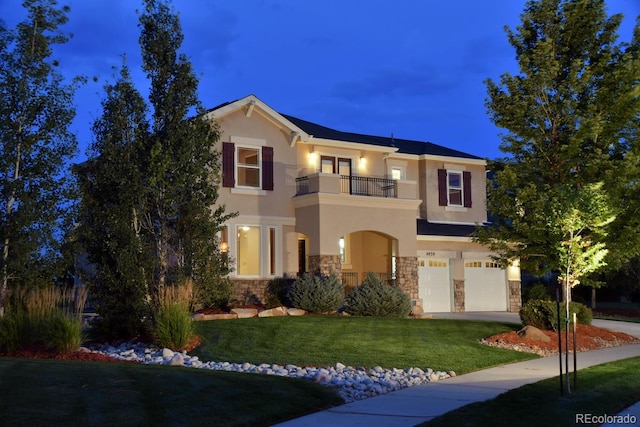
<point>587,338</point>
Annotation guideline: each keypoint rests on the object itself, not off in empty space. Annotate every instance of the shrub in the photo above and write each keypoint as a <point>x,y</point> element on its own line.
<point>277,292</point>
<point>63,333</point>
<point>317,294</point>
<point>173,326</point>
<point>544,314</point>
<point>213,292</point>
<point>374,298</point>
<point>537,292</point>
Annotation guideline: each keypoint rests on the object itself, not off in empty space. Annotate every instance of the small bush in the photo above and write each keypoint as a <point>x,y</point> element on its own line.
<point>374,298</point>
<point>317,294</point>
<point>537,292</point>
<point>277,292</point>
<point>544,314</point>
<point>173,325</point>
<point>213,292</point>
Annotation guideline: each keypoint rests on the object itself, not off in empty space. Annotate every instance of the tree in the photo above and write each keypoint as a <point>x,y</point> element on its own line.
<point>36,109</point>
<point>150,187</point>
<point>572,122</point>
<point>183,169</point>
<point>111,184</point>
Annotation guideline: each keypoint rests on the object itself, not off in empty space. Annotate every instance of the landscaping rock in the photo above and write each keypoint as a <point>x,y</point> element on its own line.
<point>533,333</point>
<point>296,312</point>
<point>278,311</point>
<point>417,310</point>
<point>177,360</point>
<point>222,316</point>
<point>245,313</point>
<point>197,317</point>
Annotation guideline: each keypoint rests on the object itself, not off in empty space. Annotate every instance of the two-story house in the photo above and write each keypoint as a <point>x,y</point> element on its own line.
<point>314,199</point>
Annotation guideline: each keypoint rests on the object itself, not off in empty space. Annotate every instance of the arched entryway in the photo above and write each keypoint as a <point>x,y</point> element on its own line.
<point>365,251</point>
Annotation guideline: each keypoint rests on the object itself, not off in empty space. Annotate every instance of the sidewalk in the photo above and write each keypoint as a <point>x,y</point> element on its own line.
<point>415,405</point>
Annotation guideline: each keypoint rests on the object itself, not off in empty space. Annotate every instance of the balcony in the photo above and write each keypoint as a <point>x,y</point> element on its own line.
<point>355,186</point>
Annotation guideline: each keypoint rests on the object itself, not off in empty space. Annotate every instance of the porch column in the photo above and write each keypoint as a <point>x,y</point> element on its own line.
<point>407,275</point>
<point>458,296</point>
<point>515,296</point>
<point>325,265</point>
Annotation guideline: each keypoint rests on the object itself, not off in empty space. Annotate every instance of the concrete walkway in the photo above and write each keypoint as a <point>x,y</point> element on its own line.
<point>415,405</point>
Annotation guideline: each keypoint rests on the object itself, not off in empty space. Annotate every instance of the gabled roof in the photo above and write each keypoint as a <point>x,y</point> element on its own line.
<point>404,146</point>
<point>306,131</point>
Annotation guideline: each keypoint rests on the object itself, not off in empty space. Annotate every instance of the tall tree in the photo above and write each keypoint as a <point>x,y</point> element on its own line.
<point>110,231</point>
<point>572,120</point>
<point>36,109</point>
<point>150,187</point>
<point>183,169</point>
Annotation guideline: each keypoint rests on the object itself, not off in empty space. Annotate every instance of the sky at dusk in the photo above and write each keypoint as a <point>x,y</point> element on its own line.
<point>411,68</point>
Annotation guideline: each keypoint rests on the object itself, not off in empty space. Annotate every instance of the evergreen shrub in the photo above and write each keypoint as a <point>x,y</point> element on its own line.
<point>544,314</point>
<point>317,294</point>
<point>375,298</point>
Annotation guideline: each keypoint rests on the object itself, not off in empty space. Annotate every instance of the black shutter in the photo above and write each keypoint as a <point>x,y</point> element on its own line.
<point>267,168</point>
<point>443,197</point>
<point>228,160</point>
<point>466,188</point>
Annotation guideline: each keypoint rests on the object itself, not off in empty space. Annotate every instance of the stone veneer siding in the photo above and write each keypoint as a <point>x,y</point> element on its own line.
<point>248,291</point>
<point>325,265</point>
<point>515,296</point>
<point>407,275</point>
<point>458,296</point>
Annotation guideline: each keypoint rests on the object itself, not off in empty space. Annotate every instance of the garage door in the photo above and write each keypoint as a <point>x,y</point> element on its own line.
<point>434,286</point>
<point>485,286</point>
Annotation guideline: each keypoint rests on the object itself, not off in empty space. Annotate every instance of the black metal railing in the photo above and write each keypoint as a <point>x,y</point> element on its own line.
<point>302,185</point>
<point>350,281</point>
<point>368,186</point>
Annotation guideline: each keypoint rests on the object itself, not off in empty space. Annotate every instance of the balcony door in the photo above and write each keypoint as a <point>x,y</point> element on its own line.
<point>344,170</point>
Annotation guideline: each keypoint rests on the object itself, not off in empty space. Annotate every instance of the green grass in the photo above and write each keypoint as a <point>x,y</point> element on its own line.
<point>356,341</point>
<point>53,392</point>
<point>602,389</point>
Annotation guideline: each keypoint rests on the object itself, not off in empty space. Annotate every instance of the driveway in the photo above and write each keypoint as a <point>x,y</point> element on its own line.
<point>500,316</point>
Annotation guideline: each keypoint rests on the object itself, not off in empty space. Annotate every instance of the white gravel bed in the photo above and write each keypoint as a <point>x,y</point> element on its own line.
<point>352,383</point>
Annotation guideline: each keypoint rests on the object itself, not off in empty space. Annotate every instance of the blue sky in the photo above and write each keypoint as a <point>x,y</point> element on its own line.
<point>411,68</point>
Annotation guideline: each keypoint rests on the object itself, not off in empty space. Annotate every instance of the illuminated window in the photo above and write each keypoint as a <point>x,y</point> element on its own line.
<point>396,173</point>
<point>272,251</point>
<point>248,249</point>
<point>473,264</point>
<point>248,167</point>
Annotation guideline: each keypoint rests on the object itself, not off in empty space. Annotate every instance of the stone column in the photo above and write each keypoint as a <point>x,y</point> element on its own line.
<point>407,275</point>
<point>458,296</point>
<point>325,265</point>
<point>515,296</point>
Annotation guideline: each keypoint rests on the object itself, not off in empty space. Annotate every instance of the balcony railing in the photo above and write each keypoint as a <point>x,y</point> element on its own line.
<point>354,185</point>
<point>368,186</point>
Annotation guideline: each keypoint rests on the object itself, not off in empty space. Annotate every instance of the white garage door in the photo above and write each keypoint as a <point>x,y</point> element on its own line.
<point>485,286</point>
<point>434,286</point>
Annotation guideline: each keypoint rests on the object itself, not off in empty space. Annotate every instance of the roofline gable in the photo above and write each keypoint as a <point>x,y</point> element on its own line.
<point>252,104</point>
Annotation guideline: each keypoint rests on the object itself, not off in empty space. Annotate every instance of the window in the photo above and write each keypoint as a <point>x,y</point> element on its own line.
<point>342,252</point>
<point>327,164</point>
<point>473,264</point>
<point>434,263</point>
<point>454,181</point>
<point>454,188</point>
<point>272,251</point>
<point>248,247</point>
<point>396,173</point>
<point>248,167</point>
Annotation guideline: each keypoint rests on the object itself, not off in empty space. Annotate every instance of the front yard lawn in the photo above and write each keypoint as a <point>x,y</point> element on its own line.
<point>356,341</point>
